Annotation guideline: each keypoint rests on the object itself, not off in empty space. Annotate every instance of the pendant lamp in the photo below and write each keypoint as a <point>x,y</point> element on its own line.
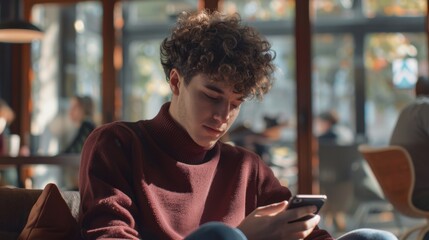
<point>17,30</point>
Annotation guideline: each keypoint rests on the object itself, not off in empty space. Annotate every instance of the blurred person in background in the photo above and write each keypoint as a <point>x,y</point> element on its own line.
<point>7,115</point>
<point>412,133</point>
<point>327,128</point>
<point>81,114</point>
<point>69,132</point>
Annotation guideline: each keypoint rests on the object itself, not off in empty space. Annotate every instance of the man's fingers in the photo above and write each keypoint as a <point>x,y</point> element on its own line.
<point>271,210</point>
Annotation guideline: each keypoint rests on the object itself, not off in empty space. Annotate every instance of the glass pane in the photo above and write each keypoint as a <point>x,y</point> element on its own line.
<point>67,62</point>
<point>392,63</point>
<point>333,83</point>
<point>334,124</point>
<point>270,123</point>
<point>261,10</point>
<point>268,127</point>
<point>144,84</point>
<point>159,11</point>
<point>401,8</point>
<point>332,9</point>
<point>147,88</point>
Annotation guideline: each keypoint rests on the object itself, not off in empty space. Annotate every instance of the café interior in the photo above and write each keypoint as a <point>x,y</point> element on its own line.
<point>356,59</point>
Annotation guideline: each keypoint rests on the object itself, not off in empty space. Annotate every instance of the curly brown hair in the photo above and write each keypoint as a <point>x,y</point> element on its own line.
<point>220,47</point>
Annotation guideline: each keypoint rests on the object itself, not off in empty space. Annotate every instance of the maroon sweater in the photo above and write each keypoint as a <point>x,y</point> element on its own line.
<point>150,180</point>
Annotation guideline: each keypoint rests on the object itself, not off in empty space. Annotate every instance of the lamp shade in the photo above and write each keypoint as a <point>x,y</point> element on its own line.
<point>18,31</point>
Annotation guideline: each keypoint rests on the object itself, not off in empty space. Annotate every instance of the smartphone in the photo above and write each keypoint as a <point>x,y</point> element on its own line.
<point>302,200</point>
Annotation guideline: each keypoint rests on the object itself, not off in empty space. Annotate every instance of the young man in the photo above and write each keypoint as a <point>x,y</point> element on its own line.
<point>412,133</point>
<point>170,177</point>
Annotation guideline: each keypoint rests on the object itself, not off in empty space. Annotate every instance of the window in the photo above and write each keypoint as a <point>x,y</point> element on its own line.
<point>272,121</point>
<point>261,10</point>
<point>366,55</point>
<point>146,24</point>
<point>66,62</point>
<point>333,83</point>
<point>401,8</point>
<point>391,57</point>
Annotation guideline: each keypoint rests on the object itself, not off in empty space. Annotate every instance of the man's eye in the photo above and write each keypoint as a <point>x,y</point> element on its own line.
<point>212,97</point>
<point>235,106</point>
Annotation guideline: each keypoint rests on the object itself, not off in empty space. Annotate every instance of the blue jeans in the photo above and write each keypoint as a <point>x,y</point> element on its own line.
<point>368,234</point>
<point>216,231</point>
<point>220,231</point>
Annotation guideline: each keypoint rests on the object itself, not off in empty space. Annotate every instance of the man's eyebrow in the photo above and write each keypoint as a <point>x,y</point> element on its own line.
<point>214,88</point>
<point>220,91</point>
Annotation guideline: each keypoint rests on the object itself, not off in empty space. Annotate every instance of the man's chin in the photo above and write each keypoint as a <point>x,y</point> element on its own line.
<point>207,145</point>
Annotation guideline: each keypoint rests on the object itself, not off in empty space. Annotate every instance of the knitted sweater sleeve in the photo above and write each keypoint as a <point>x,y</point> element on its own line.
<point>105,184</point>
<point>271,191</point>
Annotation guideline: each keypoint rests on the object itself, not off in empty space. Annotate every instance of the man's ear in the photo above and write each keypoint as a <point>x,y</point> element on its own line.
<point>175,81</point>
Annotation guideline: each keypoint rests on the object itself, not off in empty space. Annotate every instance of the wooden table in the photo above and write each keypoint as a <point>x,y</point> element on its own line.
<point>19,161</point>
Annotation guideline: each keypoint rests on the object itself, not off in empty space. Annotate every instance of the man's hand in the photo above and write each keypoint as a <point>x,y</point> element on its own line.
<point>272,222</point>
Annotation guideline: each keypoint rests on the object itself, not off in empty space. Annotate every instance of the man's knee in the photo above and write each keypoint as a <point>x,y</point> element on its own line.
<point>216,230</point>
<point>368,234</point>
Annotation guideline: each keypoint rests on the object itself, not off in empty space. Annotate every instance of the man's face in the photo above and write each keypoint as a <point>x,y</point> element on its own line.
<point>76,113</point>
<point>206,109</point>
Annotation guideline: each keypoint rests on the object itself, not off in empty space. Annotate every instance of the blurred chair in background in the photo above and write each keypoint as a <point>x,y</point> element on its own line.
<point>394,171</point>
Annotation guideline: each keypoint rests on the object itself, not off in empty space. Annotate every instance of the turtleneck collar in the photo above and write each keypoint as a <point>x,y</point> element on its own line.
<point>174,139</point>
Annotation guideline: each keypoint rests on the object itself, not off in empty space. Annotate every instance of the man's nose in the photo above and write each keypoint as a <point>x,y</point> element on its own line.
<point>222,113</point>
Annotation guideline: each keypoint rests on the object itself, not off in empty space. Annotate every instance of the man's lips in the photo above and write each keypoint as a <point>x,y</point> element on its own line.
<point>214,130</point>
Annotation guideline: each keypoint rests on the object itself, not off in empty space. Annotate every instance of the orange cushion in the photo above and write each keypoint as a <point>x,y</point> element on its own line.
<point>50,217</point>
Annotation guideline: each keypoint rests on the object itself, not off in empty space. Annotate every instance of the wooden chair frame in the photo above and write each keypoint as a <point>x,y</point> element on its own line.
<point>394,171</point>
